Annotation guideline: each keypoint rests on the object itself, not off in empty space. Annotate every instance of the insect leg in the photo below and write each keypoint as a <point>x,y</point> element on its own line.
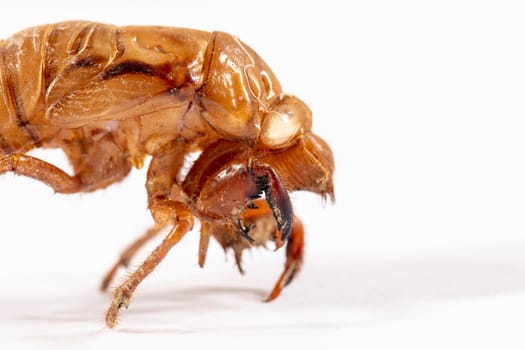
<point>294,247</point>
<point>294,259</point>
<point>124,292</point>
<point>203,242</point>
<point>40,170</point>
<point>128,253</point>
<point>277,197</point>
<point>161,179</point>
<point>97,161</point>
<point>96,164</point>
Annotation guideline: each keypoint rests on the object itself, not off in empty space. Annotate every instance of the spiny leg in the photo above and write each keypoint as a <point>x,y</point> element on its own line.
<point>294,259</point>
<point>128,253</point>
<point>161,178</point>
<point>96,164</point>
<point>56,178</point>
<point>124,292</point>
<point>259,210</point>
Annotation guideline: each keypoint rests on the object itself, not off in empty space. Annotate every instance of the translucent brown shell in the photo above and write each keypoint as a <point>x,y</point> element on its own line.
<point>110,96</point>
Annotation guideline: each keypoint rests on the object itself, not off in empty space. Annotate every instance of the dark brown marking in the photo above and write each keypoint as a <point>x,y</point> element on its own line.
<point>277,196</point>
<point>4,146</point>
<point>210,53</point>
<point>128,67</point>
<point>88,61</point>
<point>118,43</point>
<point>23,123</point>
<point>13,95</point>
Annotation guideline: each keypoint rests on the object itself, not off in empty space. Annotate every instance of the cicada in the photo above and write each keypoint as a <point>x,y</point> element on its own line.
<point>109,97</point>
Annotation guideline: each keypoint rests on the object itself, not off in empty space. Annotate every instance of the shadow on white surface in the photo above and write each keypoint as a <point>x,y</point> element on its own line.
<point>333,294</point>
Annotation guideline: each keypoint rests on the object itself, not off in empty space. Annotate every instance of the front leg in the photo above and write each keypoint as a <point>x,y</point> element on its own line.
<point>294,259</point>
<point>269,182</point>
<point>294,247</point>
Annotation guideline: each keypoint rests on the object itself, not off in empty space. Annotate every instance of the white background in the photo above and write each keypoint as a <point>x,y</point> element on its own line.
<point>423,104</point>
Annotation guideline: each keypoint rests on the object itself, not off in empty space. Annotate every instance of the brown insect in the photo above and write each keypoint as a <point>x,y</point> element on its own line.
<point>110,96</point>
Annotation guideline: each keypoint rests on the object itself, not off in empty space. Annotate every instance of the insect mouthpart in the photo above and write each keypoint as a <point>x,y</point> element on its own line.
<point>270,183</point>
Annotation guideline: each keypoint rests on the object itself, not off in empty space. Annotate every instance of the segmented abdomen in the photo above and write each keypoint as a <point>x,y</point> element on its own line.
<point>71,74</point>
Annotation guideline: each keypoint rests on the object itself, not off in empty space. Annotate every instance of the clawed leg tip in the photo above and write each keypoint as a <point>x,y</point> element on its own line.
<point>112,317</point>
<point>278,243</point>
<point>273,295</point>
<point>104,286</point>
<point>111,322</point>
<point>270,298</point>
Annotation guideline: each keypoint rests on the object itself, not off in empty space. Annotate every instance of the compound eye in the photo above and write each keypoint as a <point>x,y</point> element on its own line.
<point>285,123</point>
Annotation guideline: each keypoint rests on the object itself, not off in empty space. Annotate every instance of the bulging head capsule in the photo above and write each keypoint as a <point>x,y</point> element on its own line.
<point>242,99</point>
